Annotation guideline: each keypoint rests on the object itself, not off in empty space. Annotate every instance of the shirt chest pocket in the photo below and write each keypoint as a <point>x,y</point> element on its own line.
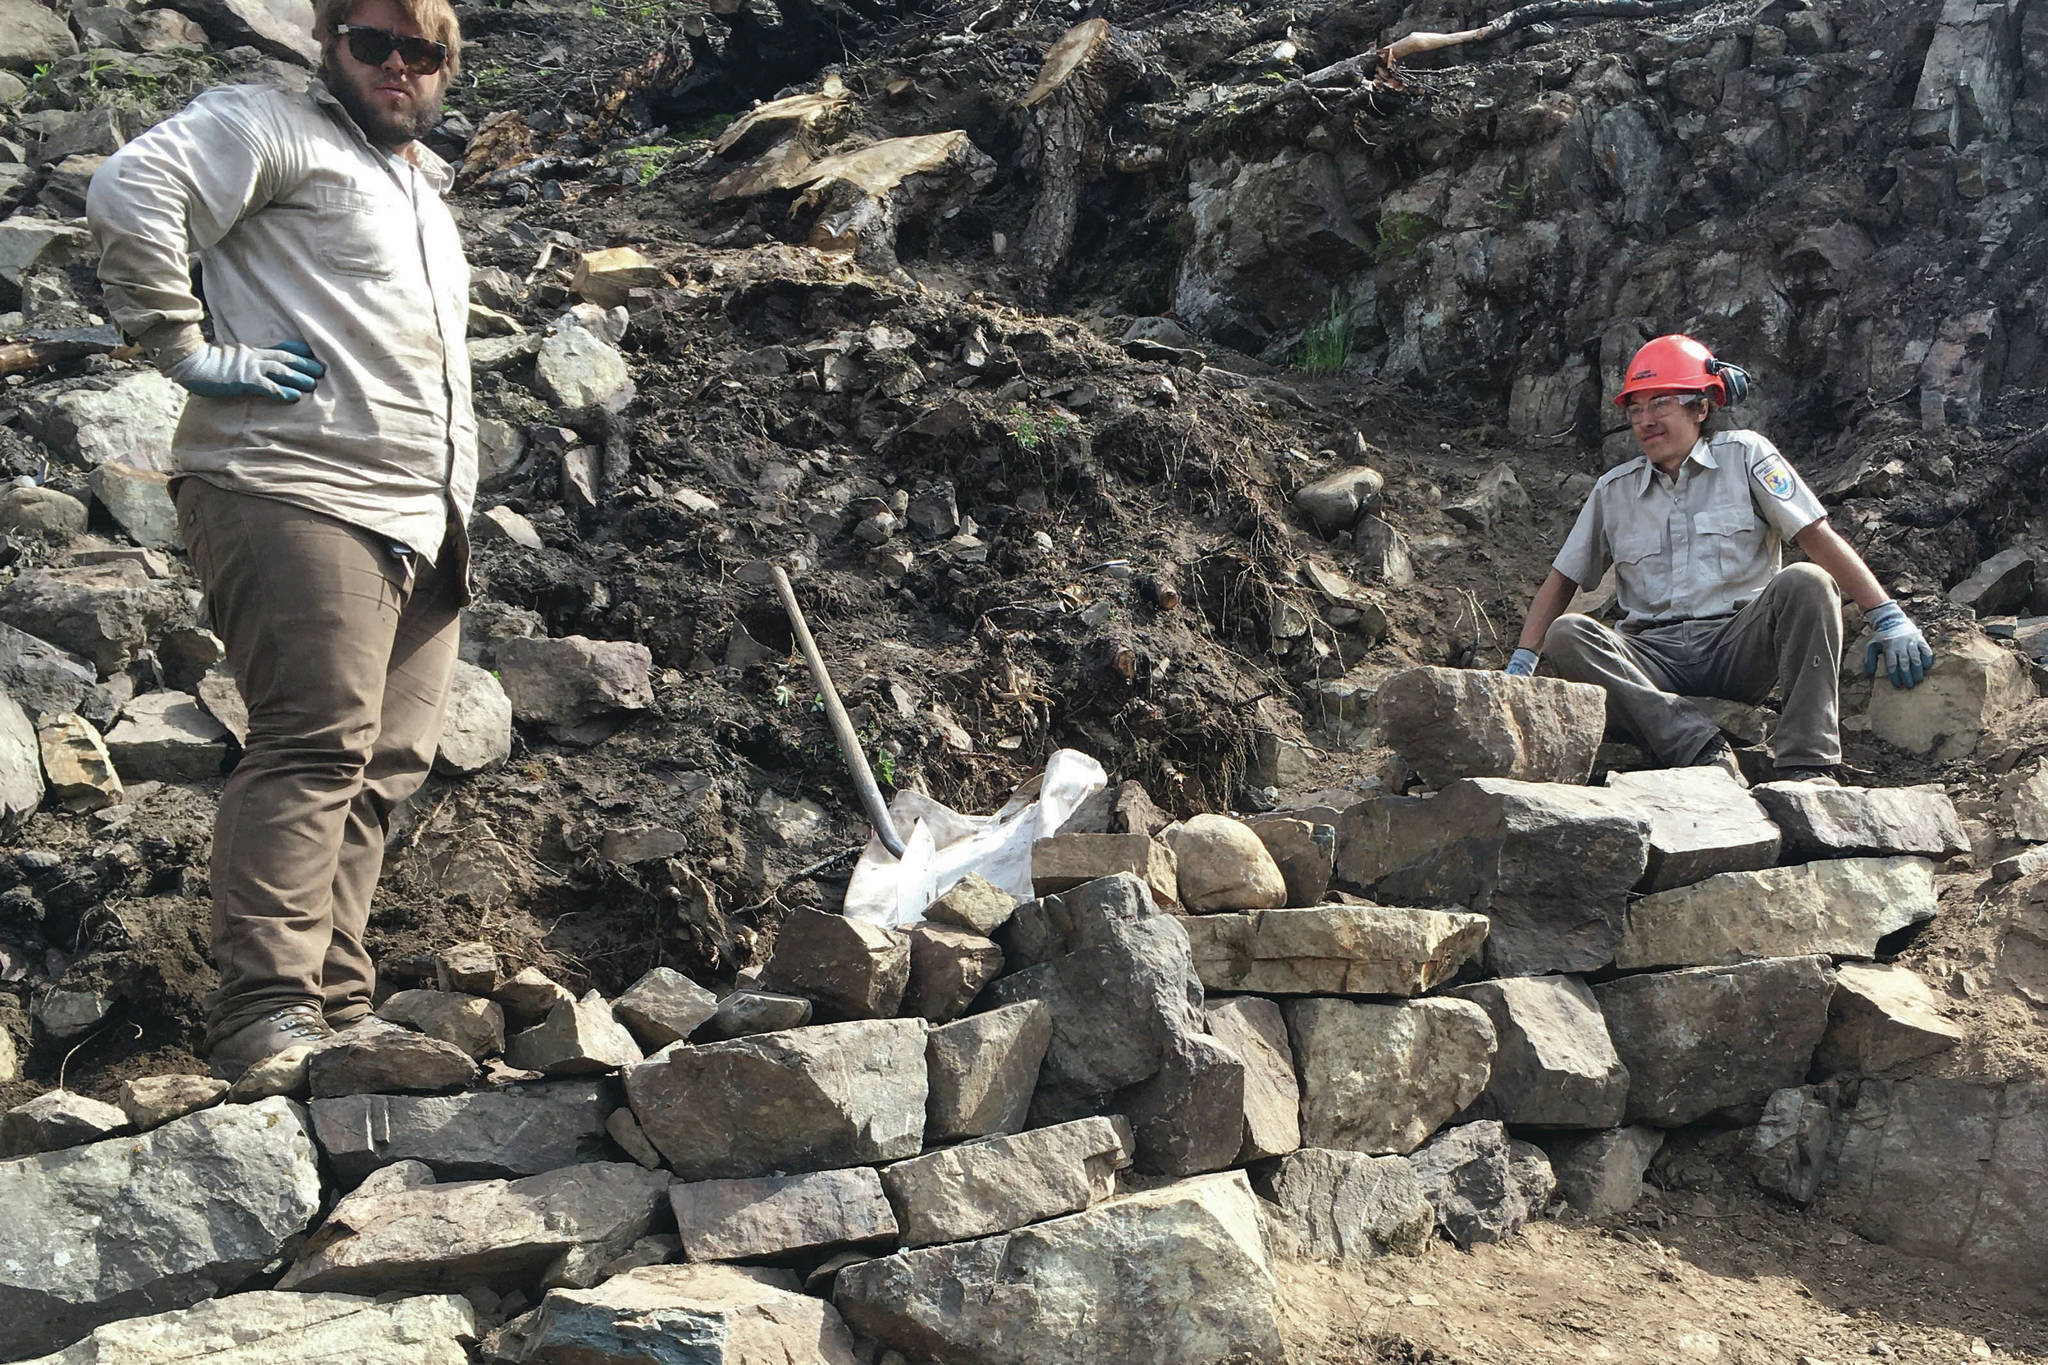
<point>354,233</point>
<point>1642,568</point>
<point>1728,537</point>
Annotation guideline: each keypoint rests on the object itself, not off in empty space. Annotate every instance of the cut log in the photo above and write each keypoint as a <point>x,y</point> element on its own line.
<point>1087,70</point>
<point>862,196</point>
<point>776,120</point>
<point>1543,12</point>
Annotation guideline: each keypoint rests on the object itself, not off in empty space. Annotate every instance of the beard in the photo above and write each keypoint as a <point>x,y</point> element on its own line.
<point>388,129</point>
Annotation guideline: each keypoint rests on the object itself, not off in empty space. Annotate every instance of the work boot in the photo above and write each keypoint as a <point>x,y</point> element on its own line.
<point>291,1026</point>
<point>1796,773</point>
<point>1721,754</point>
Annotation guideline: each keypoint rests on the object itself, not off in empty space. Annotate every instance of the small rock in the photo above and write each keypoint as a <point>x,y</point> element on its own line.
<point>1496,501</point>
<point>577,1037</point>
<point>739,1220</point>
<point>1789,1149</point>
<point>528,996</point>
<point>282,1075</point>
<point>37,511</point>
<point>983,1070</point>
<point>45,680</point>
<point>476,731</point>
<point>723,1315</point>
<point>1001,1183</point>
<point>749,1011</point>
<point>21,767</point>
<point>1220,864</point>
<point>474,1024</point>
<point>575,370</point>
<point>140,500</point>
<point>470,968</point>
<point>948,968</point>
<point>167,737</point>
<point>1305,853</point>
<point>664,1007</point>
<point>378,1056</point>
<point>1345,1206</point>
<point>1881,1020</point>
<point>847,968</point>
<point>605,277</point>
<point>575,688</point>
<point>2001,584</point>
<point>1335,502</point>
<point>1600,1174</point>
<point>54,1120</point>
<point>1066,861</point>
<point>625,1130</point>
<point>152,1101</point>
<point>974,903</point>
<point>63,1015</point>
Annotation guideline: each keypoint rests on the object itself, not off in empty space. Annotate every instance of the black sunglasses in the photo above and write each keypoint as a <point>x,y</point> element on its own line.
<point>372,46</point>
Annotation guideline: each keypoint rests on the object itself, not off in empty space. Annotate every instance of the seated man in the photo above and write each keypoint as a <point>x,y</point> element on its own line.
<point>1694,527</point>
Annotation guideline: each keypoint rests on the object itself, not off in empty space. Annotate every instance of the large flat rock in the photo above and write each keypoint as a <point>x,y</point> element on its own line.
<point>220,1193</point>
<point>1855,822</point>
<point>1555,1066</point>
<point>1381,1078</point>
<point>1955,1169</point>
<point>778,1215</point>
<point>691,1315</point>
<point>1332,949</point>
<point>998,1184</point>
<point>1702,821</point>
<point>1448,723</point>
<point>1550,866</point>
<point>481,1135</point>
<point>1882,1020</point>
<point>806,1099</point>
<point>1711,1038</point>
<point>1841,907</point>
<point>390,1234</point>
<point>265,1326</point>
<point>1173,1276</point>
<point>1254,1029</point>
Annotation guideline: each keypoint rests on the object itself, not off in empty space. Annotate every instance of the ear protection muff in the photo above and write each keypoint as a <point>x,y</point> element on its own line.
<point>1734,378</point>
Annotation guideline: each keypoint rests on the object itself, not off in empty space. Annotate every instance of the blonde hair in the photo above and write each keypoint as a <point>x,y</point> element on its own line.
<point>434,18</point>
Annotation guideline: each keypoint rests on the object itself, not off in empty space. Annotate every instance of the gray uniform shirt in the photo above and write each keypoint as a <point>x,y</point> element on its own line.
<point>306,231</point>
<point>1701,544</point>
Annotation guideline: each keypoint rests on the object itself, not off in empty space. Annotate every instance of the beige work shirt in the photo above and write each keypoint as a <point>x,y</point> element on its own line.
<point>1701,544</point>
<point>305,231</point>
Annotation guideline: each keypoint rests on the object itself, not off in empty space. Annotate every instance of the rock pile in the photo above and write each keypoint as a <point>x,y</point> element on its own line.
<point>962,1112</point>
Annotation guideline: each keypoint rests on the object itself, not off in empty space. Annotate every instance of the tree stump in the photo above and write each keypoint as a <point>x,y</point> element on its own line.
<point>1087,70</point>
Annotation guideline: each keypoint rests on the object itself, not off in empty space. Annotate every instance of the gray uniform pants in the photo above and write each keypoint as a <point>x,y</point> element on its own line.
<point>1789,638</point>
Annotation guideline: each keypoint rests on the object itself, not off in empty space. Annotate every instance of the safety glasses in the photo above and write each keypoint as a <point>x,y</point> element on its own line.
<point>1660,407</point>
<point>373,46</point>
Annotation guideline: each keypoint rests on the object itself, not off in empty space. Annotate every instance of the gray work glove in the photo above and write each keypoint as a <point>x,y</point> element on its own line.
<point>1523,665</point>
<point>1899,646</point>
<point>281,372</point>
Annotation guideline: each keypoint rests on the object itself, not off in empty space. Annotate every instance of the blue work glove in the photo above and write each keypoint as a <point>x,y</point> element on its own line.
<point>1523,665</point>
<point>1899,644</point>
<point>281,372</point>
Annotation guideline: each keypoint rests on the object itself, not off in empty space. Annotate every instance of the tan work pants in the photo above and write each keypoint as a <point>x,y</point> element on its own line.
<point>1789,638</point>
<point>343,655</point>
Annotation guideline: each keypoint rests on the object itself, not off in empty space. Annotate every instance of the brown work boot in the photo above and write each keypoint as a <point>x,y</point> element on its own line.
<point>1721,754</point>
<point>1798,773</point>
<point>291,1026</point>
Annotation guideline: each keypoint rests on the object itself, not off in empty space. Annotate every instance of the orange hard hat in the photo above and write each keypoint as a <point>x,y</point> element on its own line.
<point>1674,364</point>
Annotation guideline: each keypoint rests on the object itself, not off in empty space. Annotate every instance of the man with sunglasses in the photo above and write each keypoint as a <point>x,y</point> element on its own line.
<point>1694,528</point>
<point>326,465</point>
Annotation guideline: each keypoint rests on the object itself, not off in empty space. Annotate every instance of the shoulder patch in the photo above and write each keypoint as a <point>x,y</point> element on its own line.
<point>1772,473</point>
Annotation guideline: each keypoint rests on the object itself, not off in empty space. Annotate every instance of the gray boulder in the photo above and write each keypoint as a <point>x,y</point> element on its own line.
<point>1332,949</point>
<point>1882,1020</point>
<point>1550,866</point>
<point>846,968</point>
<point>104,612</point>
<point>36,35</point>
<point>1602,1173</point>
<point>997,1184</point>
<point>470,1022</point>
<point>44,679</point>
<point>983,1070</point>
<point>1482,1190</point>
<point>1855,822</point>
<point>1712,1038</point>
<point>808,1099</point>
<point>579,690</point>
<point>167,737</point>
<point>1346,1206</point>
<point>1094,1288</point>
<point>476,734</point>
<point>1555,1066</point>
<point>1305,851</point>
<point>276,28</point>
<point>1335,502</point>
<point>390,1234</point>
<point>576,369</point>
<point>265,1326</point>
<point>518,1131</point>
<point>377,1056</point>
<point>1256,1032</point>
<point>21,765</point>
<point>973,903</point>
<point>748,1011</point>
<point>1702,821</point>
<point>577,1037</point>
<point>139,500</point>
<point>1841,907</point>
<point>948,968</point>
<point>1448,723</point>
<point>780,1215</point>
<point>1789,1145</point>
<point>717,1314</point>
<point>123,419</point>
<point>225,1191</point>
<point>1220,864</point>
<point>33,510</point>
<point>1381,1078</point>
<point>57,1119</point>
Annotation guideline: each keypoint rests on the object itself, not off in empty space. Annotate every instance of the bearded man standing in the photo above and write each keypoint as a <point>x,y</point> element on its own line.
<point>326,464</point>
